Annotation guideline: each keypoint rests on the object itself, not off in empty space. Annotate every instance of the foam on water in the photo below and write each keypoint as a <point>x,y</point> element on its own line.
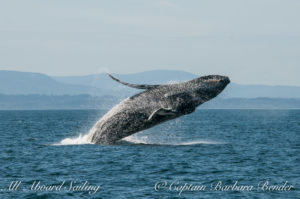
<point>81,139</point>
<point>199,142</point>
<point>136,139</point>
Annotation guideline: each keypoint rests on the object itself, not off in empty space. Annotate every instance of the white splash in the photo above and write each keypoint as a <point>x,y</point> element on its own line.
<point>81,139</point>
<point>86,138</point>
<point>138,139</point>
<point>199,142</point>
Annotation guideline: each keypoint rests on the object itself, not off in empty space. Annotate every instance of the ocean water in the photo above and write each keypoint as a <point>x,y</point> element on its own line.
<point>207,154</point>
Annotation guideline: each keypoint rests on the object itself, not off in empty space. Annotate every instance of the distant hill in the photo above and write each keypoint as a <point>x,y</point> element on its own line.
<point>24,83</point>
<point>16,83</point>
<point>23,90</point>
<point>109,87</point>
<point>254,91</point>
<point>252,103</point>
<point>149,77</point>
<point>42,102</point>
<point>50,102</point>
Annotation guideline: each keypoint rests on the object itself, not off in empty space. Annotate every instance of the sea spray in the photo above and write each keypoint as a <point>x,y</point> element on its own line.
<point>81,139</point>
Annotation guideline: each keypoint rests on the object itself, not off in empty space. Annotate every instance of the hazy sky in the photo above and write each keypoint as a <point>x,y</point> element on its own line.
<point>251,41</point>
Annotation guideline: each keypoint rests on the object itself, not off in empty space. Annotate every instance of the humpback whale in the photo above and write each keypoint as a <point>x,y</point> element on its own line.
<point>156,104</point>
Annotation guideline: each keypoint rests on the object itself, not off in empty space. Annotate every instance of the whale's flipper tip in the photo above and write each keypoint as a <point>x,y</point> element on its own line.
<point>138,86</point>
<point>162,112</point>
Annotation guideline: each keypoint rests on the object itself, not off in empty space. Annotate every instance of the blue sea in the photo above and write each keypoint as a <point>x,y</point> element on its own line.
<point>207,154</point>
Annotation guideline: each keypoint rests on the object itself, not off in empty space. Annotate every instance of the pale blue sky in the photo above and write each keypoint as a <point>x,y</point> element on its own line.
<point>251,41</point>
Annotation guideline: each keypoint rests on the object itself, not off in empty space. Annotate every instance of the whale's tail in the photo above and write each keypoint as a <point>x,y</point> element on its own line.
<point>138,86</point>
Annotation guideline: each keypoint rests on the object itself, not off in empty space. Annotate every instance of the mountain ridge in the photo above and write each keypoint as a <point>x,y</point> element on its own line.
<point>24,83</point>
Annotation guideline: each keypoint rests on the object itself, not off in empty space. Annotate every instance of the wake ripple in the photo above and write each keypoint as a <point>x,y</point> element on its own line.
<point>135,139</point>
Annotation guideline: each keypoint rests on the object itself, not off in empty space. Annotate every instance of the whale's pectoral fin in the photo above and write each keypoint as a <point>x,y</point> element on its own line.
<point>163,112</point>
<point>138,86</point>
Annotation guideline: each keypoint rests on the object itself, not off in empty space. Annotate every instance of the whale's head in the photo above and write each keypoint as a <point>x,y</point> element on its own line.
<point>205,88</point>
<point>188,95</point>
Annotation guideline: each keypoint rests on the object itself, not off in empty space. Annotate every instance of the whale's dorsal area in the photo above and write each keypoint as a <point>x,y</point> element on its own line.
<point>138,86</point>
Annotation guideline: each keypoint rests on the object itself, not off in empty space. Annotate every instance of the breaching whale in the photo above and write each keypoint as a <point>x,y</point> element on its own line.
<point>156,104</point>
